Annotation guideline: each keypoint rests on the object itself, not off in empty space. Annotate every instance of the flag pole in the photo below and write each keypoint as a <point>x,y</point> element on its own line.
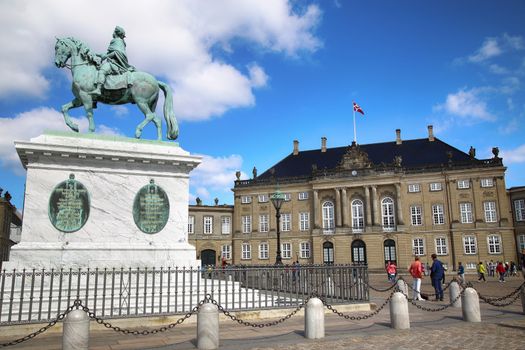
<point>355,138</point>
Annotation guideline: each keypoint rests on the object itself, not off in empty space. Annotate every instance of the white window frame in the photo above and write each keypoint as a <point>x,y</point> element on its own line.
<point>286,250</point>
<point>438,214</point>
<point>463,184</point>
<point>264,223</point>
<point>191,224</point>
<point>304,221</point>
<point>441,245</point>
<point>519,208</point>
<point>487,182</point>
<point>246,223</point>
<point>388,214</point>
<point>328,217</point>
<point>435,186</point>
<point>418,246</point>
<point>263,198</point>
<point>494,244</point>
<point>286,222</point>
<point>491,214</point>
<point>416,215</point>
<point>207,221</point>
<point>226,251</point>
<point>305,250</point>
<point>414,188</point>
<point>465,211</point>
<point>246,251</point>
<point>358,215</point>
<point>521,242</point>
<point>264,251</point>
<point>246,199</point>
<point>470,246</point>
<point>226,225</point>
<point>302,196</point>
<point>287,197</point>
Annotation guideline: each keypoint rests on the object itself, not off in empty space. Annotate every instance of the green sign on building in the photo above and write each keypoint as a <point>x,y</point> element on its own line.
<point>69,205</point>
<point>151,208</point>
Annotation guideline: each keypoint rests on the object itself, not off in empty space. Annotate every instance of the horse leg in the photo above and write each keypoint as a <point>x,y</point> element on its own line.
<point>148,116</point>
<point>156,119</point>
<point>87,101</point>
<point>65,109</point>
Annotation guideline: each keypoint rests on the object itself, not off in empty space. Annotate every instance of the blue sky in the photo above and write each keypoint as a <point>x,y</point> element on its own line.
<point>249,77</point>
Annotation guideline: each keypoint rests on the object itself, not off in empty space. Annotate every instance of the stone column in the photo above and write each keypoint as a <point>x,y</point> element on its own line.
<point>470,305</point>
<point>374,203</point>
<point>337,208</point>
<point>345,207</point>
<point>314,319</point>
<point>399,318</point>
<point>76,331</point>
<point>400,220</point>
<point>368,207</point>
<point>316,209</point>
<point>208,327</point>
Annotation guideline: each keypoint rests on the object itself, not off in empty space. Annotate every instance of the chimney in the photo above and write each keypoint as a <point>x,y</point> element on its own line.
<point>398,137</point>
<point>430,133</point>
<point>295,147</point>
<point>323,144</point>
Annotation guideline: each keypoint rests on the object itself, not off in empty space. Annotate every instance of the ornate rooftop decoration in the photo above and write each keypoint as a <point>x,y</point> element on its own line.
<point>354,158</point>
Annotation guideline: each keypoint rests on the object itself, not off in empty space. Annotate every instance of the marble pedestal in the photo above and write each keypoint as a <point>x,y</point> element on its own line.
<point>112,170</point>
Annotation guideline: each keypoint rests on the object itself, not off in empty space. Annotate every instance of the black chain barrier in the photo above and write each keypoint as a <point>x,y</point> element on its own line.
<point>424,308</point>
<point>494,300</point>
<point>381,290</point>
<point>359,317</point>
<point>434,294</point>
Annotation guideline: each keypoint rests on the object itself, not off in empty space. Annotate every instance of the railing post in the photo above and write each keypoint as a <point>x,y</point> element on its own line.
<point>314,319</point>
<point>399,318</point>
<point>470,306</point>
<point>454,292</point>
<point>75,334</point>
<point>208,327</point>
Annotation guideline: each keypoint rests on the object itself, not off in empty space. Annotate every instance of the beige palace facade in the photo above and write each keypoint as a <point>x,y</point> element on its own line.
<point>373,203</point>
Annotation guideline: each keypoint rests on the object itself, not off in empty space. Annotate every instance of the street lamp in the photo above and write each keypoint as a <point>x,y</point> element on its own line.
<point>277,200</point>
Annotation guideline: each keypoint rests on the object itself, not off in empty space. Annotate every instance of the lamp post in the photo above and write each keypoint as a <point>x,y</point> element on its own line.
<point>277,200</point>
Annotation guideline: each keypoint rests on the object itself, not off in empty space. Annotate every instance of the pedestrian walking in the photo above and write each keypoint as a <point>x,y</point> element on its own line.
<point>391,270</point>
<point>500,269</point>
<point>481,272</point>
<point>416,270</point>
<point>461,273</point>
<point>436,274</point>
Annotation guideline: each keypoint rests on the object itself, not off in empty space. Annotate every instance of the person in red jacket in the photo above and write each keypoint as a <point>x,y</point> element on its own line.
<point>416,270</point>
<point>501,270</point>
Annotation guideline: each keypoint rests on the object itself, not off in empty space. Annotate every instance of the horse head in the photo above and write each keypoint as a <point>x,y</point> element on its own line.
<point>62,52</point>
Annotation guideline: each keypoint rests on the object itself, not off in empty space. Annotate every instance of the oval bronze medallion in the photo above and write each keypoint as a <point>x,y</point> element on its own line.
<point>151,208</point>
<point>69,205</point>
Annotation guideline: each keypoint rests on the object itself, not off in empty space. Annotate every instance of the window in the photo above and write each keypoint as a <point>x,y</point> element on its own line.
<point>471,266</point>
<point>287,197</point>
<point>286,222</point>
<point>263,250</point>
<point>358,218</point>
<point>387,211</point>
<point>519,207</point>
<point>328,253</point>
<point>208,225</point>
<point>521,242</point>
<point>226,227</point>
<point>488,182</point>
<point>469,244</point>
<point>286,250</point>
<point>490,211</point>
<point>465,210</point>
<point>264,223</point>
<point>304,221</point>
<point>414,188</point>
<point>441,246</point>
<point>246,199</point>
<point>226,251</point>
<point>191,224</point>
<point>438,214</point>
<point>358,252</point>
<point>418,246</point>
<point>494,242</point>
<point>415,215</point>
<point>435,186</point>
<point>263,198</point>
<point>246,251</point>
<point>462,184</point>
<point>303,196</point>
<point>328,217</point>
<point>305,250</point>
<point>247,224</point>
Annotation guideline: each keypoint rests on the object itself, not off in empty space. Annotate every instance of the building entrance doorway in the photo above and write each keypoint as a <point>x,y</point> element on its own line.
<point>208,257</point>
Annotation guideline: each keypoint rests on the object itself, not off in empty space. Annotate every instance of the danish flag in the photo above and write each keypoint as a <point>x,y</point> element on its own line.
<point>358,109</point>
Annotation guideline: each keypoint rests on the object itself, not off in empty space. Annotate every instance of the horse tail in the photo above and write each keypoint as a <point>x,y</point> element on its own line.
<point>173,128</point>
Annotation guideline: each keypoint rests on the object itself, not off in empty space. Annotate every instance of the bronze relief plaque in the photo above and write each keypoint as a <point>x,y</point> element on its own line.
<point>69,205</point>
<point>151,208</point>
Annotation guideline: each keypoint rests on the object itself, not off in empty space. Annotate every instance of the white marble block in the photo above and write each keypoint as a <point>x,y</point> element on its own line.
<point>112,169</point>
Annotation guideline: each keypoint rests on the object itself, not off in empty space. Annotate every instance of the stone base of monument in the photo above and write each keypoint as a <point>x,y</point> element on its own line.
<point>104,201</point>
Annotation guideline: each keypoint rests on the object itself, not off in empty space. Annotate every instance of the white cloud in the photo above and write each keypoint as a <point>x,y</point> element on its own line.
<point>510,127</point>
<point>173,40</point>
<point>120,110</point>
<point>258,77</point>
<point>516,155</point>
<point>490,48</point>
<point>467,105</point>
<point>30,124</point>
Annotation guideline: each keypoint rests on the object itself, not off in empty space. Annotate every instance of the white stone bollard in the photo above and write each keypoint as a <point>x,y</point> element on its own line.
<point>314,319</point>
<point>208,327</point>
<point>402,286</point>
<point>470,304</point>
<point>454,292</point>
<point>75,333</point>
<point>399,318</point>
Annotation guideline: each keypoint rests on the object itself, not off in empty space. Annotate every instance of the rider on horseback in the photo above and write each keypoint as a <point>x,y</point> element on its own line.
<point>115,60</point>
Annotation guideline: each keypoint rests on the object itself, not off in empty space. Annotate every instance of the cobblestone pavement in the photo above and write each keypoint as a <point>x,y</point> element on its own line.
<point>501,328</point>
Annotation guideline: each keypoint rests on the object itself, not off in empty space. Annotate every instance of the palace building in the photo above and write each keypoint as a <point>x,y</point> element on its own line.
<point>368,204</point>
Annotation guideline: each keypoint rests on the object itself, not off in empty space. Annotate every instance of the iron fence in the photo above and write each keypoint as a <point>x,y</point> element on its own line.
<point>31,296</point>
